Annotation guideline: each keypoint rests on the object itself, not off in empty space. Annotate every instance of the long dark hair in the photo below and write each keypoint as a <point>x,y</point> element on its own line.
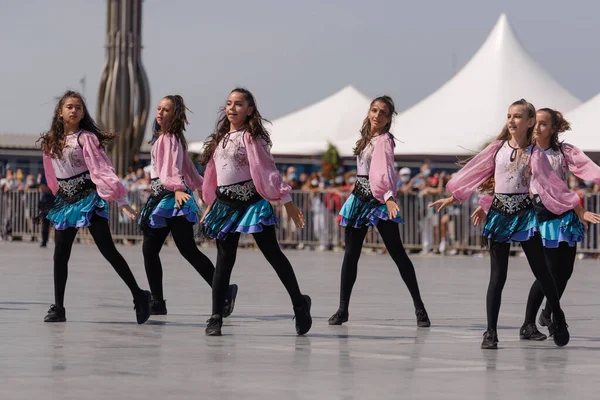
<point>365,130</point>
<point>178,120</point>
<point>559,125</point>
<point>490,183</point>
<point>253,125</point>
<point>52,142</point>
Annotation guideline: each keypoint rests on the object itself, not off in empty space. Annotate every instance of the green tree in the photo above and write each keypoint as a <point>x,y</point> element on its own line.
<point>331,162</point>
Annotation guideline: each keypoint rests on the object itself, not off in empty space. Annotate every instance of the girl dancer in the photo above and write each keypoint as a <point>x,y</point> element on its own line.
<point>171,207</point>
<point>372,204</point>
<point>512,161</point>
<point>239,181</point>
<point>560,233</point>
<point>81,176</point>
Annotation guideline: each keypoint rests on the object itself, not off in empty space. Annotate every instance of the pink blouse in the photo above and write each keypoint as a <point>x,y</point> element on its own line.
<point>514,177</point>
<point>580,165</point>
<point>82,152</point>
<point>172,166</point>
<point>242,159</point>
<point>377,162</point>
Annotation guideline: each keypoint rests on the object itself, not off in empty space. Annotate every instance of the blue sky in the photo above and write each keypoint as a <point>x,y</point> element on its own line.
<point>289,53</point>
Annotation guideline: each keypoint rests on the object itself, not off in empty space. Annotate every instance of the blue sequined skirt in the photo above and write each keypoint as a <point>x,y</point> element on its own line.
<point>76,203</point>
<point>161,206</point>
<point>362,209</point>
<point>555,229</point>
<point>78,214</point>
<point>357,213</point>
<point>510,219</point>
<point>238,209</point>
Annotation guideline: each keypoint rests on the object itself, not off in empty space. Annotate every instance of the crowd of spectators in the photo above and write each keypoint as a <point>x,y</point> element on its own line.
<point>322,197</point>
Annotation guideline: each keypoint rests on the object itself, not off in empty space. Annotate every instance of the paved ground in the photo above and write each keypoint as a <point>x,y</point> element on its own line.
<point>100,353</point>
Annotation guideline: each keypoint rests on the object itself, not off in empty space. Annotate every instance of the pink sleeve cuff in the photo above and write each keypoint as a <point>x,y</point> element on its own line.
<point>122,201</point>
<point>388,194</point>
<point>286,199</point>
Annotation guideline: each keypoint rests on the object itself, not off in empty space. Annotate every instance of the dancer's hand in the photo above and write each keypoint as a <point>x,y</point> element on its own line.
<point>295,214</point>
<point>586,216</point>
<point>128,210</point>
<point>392,208</point>
<point>181,198</point>
<point>205,213</point>
<point>478,216</point>
<point>443,203</point>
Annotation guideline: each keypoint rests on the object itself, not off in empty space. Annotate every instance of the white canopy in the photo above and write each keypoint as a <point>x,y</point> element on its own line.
<point>470,109</point>
<point>334,119</point>
<point>585,133</point>
<point>196,147</point>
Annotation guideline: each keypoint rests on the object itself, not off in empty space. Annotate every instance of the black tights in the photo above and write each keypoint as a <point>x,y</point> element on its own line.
<point>499,254</point>
<point>45,230</point>
<point>391,238</point>
<point>267,243</point>
<point>183,235</point>
<point>62,252</point>
<point>561,262</point>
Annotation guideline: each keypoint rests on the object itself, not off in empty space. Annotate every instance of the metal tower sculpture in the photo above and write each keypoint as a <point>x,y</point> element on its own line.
<point>124,91</point>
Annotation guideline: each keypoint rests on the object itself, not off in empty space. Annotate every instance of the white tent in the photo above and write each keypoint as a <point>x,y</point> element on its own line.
<point>585,133</point>
<point>196,147</point>
<point>334,119</point>
<point>470,109</point>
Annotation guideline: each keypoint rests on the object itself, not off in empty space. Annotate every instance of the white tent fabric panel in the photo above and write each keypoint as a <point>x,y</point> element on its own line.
<point>334,120</point>
<point>585,131</point>
<point>470,109</point>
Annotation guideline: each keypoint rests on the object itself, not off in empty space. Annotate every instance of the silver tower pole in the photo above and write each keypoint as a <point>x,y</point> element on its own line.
<point>124,91</point>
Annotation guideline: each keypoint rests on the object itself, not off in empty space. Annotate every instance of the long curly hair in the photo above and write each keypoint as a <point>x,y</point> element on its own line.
<point>178,120</point>
<point>52,142</point>
<point>559,125</point>
<point>253,125</point>
<point>365,130</point>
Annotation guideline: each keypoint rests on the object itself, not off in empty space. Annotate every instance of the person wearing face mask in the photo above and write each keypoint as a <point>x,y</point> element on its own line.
<point>321,224</point>
<point>28,203</point>
<point>30,182</point>
<point>403,180</point>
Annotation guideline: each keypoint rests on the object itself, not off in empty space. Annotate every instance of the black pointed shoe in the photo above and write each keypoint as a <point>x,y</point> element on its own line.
<point>213,325</point>
<point>530,332</point>
<point>56,314</point>
<point>302,315</point>
<point>490,340</point>
<point>422,318</point>
<point>338,318</point>
<point>141,304</point>
<point>545,318</point>
<point>158,307</point>
<point>560,331</point>
<point>230,300</point>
